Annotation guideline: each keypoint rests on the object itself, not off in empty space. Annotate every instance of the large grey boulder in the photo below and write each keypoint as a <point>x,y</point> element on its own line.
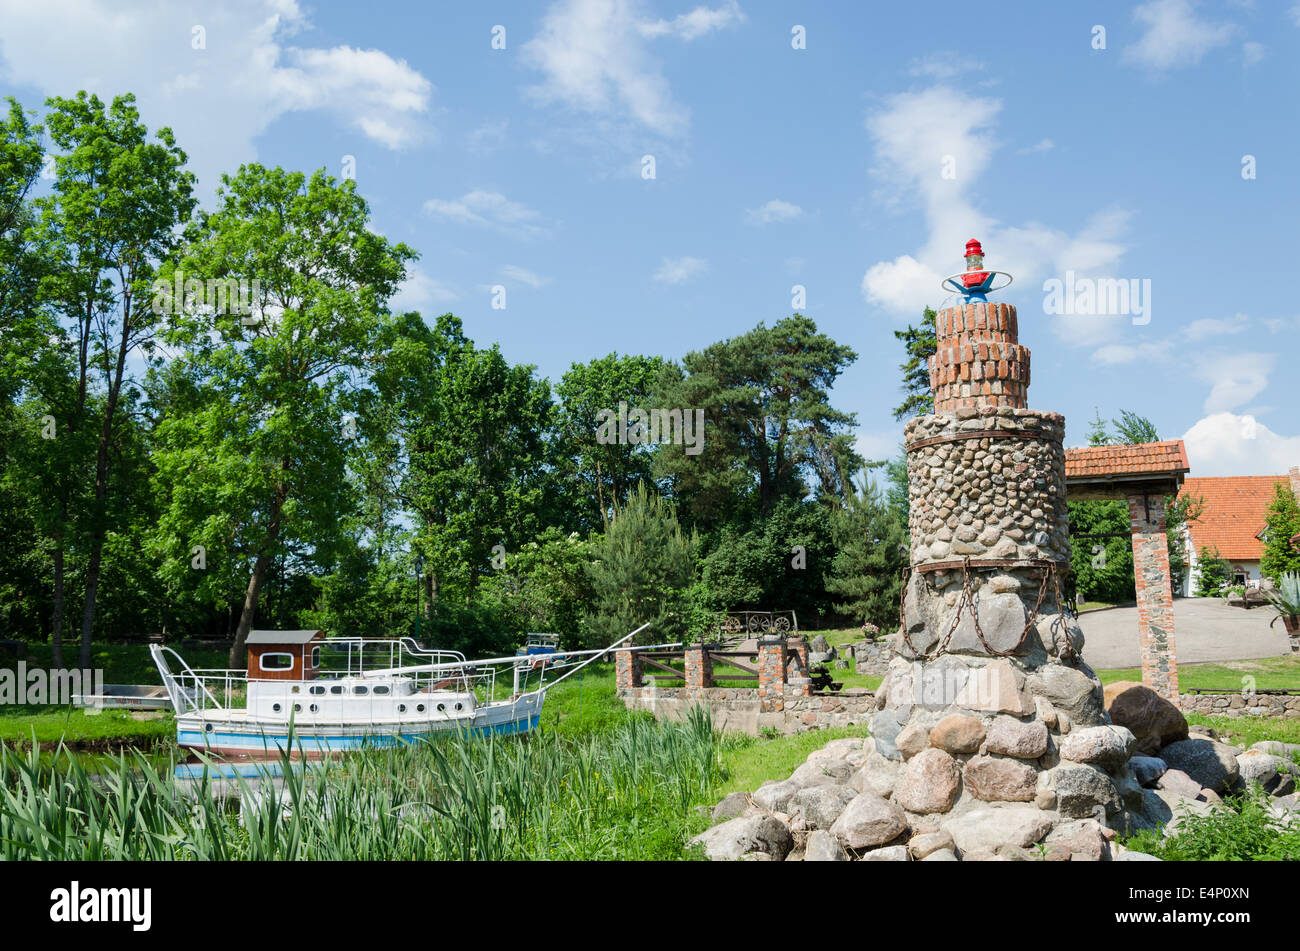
<point>822,772</point>
<point>890,853</point>
<point>1147,769</point>
<point>1073,690</point>
<point>1084,791</point>
<point>775,795</point>
<point>1131,856</point>
<point>820,806</point>
<point>1208,762</point>
<point>823,847</point>
<point>878,775</point>
<point>930,782</point>
<point>869,821</point>
<point>736,838</point>
<point>986,828</point>
<point>1023,739</point>
<point>1002,621</point>
<point>885,727</point>
<point>732,805</point>
<point>1178,783</point>
<point>995,779</point>
<point>1104,746</point>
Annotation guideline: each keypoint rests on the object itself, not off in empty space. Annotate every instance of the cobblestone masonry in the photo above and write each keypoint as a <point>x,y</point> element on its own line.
<point>739,709</point>
<point>1239,705</point>
<point>1155,597</point>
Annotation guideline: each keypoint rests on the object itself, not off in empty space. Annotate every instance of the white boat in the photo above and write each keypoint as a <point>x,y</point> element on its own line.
<point>308,694</point>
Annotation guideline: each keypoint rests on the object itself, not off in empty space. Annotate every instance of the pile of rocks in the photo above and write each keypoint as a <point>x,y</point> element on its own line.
<point>977,787</point>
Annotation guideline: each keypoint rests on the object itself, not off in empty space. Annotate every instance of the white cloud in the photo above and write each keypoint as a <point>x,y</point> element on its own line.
<point>919,136</point>
<point>693,25</point>
<point>594,57</point>
<point>1253,53</point>
<point>420,292</point>
<point>1042,145</point>
<point>680,270</point>
<point>218,99</point>
<point>944,65</point>
<point>490,210</point>
<point>1225,444</point>
<point>1174,35</point>
<point>1216,327</point>
<point>524,276</point>
<point>773,211</point>
<point>1116,354</point>
<point>1235,378</point>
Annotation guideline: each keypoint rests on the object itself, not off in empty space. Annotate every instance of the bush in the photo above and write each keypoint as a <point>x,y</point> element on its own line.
<point>1211,573</point>
<point>1246,831</point>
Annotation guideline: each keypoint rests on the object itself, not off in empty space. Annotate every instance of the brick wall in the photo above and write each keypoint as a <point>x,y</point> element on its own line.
<point>1155,600</point>
<point>978,362</point>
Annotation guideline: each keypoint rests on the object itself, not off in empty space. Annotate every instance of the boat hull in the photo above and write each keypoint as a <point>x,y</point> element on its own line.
<point>223,736</point>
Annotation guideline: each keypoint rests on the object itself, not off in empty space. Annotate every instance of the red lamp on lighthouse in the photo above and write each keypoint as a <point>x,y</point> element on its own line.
<point>976,282</point>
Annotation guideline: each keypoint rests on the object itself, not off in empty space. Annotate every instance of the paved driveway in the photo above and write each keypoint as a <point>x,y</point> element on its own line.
<point>1205,629</point>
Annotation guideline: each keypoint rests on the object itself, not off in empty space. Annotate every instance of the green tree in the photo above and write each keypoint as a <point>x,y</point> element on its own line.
<point>114,213</point>
<point>770,431</point>
<point>641,570</point>
<point>920,343</point>
<point>603,473</point>
<point>254,452</point>
<point>872,550</point>
<point>1101,552</point>
<point>1098,435</point>
<point>1212,573</point>
<point>1131,429</point>
<point>1281,524</point>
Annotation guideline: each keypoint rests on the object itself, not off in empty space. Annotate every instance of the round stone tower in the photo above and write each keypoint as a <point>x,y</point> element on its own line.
<point>988,719</point>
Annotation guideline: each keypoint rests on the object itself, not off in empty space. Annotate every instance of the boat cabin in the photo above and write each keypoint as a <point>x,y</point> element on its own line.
<point>284,655</point>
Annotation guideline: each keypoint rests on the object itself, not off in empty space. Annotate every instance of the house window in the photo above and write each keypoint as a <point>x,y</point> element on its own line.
<point>1240,576</point>
<point>315,656</point>
<point>277,661</point>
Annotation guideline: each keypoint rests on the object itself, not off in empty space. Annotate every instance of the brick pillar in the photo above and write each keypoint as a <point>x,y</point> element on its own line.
<point>799,681</point>
<point>1295,482</point>
<point>627,670</point>
<point>1155,600</point>
<point>771,674</point>
<point>699,667</point>
<point>978,361</point>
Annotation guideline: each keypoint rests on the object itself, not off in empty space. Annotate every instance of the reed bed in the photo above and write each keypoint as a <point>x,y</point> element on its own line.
<point>627,793</point>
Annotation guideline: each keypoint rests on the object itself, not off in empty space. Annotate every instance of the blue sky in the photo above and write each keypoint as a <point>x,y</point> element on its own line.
<point>855,167</point>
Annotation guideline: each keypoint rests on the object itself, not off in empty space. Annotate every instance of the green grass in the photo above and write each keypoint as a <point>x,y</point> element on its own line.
<point>52,724</point>
<point>752,761</point>
<point>1243,832</point>
<point>1246,731</point>
<point>1270,673</point>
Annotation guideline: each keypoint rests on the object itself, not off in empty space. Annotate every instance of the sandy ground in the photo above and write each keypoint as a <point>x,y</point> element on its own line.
<point>1205,630</point>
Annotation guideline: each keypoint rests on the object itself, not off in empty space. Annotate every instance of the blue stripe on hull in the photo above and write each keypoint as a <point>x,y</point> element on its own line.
<point>326,742</point>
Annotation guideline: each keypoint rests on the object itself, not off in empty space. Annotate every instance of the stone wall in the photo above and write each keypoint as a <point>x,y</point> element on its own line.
<point>740,709</point>
<point>987,484</point>
<point>1237,705</point>
<point>873,657</point>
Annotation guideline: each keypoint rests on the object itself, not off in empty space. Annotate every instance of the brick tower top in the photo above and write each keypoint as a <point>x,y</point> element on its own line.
<point>978,362</point>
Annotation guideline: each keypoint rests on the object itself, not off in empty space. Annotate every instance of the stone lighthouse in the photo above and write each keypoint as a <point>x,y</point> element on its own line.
<point>988,718</point>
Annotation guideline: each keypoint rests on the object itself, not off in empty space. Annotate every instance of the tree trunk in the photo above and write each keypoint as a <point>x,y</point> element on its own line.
<point>236,657</point>
<point>56,632</point>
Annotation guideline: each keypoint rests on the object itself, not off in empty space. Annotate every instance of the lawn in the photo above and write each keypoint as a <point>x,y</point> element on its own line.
<point>1270,673</point>
<point>51,724</point>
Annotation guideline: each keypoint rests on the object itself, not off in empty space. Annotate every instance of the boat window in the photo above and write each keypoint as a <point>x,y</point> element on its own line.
<point>336,690</point>
<point>315,709</point>
<point>276,661</point>
<point>275,707</point>
<point>317,691</point>
<point>315,656</point>
<point>419,708</point>
<point>297,708</point>
<point>401,708</point>
<point>381,690</point>
<point>442,708</point>
<point>359,691</point>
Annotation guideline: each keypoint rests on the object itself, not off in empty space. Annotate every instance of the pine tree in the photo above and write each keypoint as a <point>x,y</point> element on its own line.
<point>867,570</point>
<point>1211,573</point>
<point>921,343</point>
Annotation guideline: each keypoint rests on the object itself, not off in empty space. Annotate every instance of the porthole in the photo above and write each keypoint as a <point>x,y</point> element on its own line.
<point>442,708</point>
<point>275,707</point>
<point>297,708</point>
<point>401,708</point>
<point>207,728</point>
<point>381,690</point>
<point>336,690</point>
<point>361,691</point>
<point>317,691</point>
<point>315,709</point>
<point>419,708</point>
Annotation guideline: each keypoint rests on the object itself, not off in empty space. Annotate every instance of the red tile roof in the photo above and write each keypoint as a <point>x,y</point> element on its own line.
<point>1235,510</point>
<point>1150,458</point>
